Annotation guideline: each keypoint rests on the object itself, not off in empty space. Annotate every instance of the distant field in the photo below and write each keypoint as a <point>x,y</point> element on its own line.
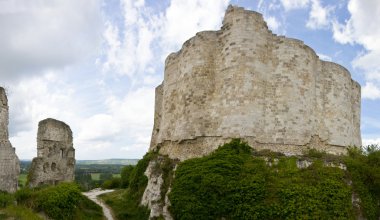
<point>22,179</point>
<point>109,161</point>
<point>96,176</point>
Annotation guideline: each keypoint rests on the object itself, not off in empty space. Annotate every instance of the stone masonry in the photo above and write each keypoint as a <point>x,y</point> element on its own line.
<point>9,162</point>
<point>55,161</point>
<point>244,82</point>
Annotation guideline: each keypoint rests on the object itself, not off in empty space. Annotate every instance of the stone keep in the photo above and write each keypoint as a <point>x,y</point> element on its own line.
<point>245,82</point>
<point>9,162</point>
<point>55,161</point>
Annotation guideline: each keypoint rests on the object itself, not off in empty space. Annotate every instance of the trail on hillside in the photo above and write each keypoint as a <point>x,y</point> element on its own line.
<point>93,194</point>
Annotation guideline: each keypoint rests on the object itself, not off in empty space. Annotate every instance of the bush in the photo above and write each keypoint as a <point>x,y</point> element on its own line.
<point>113,183</point>
<point>59,202</point>
<point>125,175</point>
<point>6,199</point>
<point>232,184</point>
<point>364,169</point>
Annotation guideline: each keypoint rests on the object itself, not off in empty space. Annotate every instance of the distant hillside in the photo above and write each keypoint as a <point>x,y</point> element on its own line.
<point>109,161</point>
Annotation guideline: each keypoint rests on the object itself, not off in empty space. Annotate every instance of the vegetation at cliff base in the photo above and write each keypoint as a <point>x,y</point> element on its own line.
<point>231,183</point>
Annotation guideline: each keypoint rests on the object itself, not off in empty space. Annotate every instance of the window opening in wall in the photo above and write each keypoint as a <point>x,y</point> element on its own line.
<point>53,167</point>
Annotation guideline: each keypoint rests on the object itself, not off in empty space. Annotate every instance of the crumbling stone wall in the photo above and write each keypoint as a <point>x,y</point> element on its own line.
<point>9,162</point>
<point>55,161</point>
<point>245,82</point>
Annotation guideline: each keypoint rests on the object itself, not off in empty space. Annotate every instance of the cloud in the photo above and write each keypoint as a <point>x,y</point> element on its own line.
<point>40,35</point>
<point>370,91</point>
<point>272,22</point>
<point>193,16</point>
<point>129,52</point>
<point>371,141</point>
<point>362,28</point>
<point>324,57</point>
<point>33,100</point>
<point>294,4</point>
<point>319,16</point>
<point>127,122</point>
<point>146,38</point>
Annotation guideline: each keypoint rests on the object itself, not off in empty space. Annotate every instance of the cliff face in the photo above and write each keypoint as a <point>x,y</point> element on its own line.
<point>9,162</point>
<point>245,82</point>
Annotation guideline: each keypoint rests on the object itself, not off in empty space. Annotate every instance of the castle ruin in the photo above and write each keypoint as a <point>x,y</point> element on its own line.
<point>55,161</point>
<point>244,82</point>
<point>9,162</point>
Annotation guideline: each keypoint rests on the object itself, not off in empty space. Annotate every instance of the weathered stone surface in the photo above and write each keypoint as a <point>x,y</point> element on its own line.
<point>55,161</point>
<point>9,162</point>
<point>245,82</point>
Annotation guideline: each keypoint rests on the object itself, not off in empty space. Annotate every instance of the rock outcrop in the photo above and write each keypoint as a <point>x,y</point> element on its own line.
<point>55,161</point>
<point>245,82</point>
<point>9,162</point>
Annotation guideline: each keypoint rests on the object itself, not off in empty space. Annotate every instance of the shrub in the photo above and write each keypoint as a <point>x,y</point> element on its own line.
<point>113,183</point>
<point>5,199</point>
<point>364,169</point>
<point>59,202</point>
<point>232,184</point>
<point>125,175</point>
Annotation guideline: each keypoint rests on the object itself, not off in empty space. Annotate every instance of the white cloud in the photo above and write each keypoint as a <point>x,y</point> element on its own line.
<point>38,35</point>
<point>294,4</point>
<point>370,91</point>
<point>128,120</point>
<point>130,52</point>
<point>324,57</point>
<point>371,141</point>
<point>272,22</point>
<point>318,16</point>
<point>363,28</point>
<point>184,18</point>
<point>33,100</point>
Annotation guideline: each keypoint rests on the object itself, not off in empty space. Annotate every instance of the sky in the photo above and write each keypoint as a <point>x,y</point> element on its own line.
<point>94,64</point>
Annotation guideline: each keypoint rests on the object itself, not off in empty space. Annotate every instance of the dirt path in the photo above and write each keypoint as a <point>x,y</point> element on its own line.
<point>93,196</point>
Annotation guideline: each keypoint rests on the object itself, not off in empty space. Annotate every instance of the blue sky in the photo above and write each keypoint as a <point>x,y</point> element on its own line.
<point>95,64</point>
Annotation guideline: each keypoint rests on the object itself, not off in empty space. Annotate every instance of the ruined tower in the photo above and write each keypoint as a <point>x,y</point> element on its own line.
<point>55,161</point>
<point>9,162</point>
<point>244,82</point>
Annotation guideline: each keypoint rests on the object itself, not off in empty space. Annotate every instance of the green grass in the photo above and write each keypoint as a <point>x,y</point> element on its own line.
<point>116,175</point>
<point>116,201</point>
<point>95,176</point>
<point>22,179</point>
<point>19,213</point>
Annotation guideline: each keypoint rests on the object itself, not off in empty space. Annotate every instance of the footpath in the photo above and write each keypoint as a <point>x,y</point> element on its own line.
<point>93,194</point>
